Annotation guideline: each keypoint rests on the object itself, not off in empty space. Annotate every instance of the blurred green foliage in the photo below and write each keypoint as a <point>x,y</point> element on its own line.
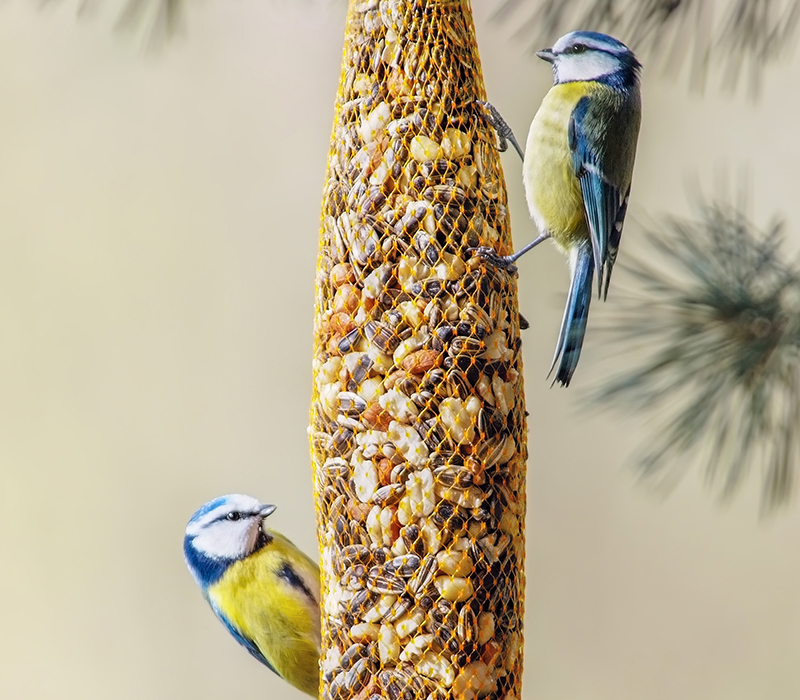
<point>716,327</point>
<point>741,36</point>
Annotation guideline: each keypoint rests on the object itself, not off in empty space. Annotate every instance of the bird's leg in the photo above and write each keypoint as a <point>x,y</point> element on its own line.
<point>500,126</point>
<point>506,262</point>
<point>536,241</point>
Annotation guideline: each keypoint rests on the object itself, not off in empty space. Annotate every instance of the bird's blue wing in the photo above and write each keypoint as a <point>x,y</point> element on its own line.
<point>244,641</point>
<point>604,204</point>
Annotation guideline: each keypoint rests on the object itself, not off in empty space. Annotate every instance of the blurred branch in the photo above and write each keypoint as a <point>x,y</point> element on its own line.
<point>161,18</point>
<point>749,35</point>
<point>158,20</point>
<point>718,322</point>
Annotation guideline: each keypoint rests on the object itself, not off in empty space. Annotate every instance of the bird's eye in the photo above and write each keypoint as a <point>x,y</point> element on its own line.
<point>236,515</point>
<point>578,48</point>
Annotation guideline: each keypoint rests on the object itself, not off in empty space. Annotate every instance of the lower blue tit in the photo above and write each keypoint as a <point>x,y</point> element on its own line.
<point>577,170</point>
<point>263,588</point>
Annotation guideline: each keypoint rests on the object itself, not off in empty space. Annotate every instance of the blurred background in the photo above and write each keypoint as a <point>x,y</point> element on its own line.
<point>159,215</point>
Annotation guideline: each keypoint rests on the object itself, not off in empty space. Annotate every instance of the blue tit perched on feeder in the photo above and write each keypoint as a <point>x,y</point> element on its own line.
<point>577,170</point>
<point>262,587</point>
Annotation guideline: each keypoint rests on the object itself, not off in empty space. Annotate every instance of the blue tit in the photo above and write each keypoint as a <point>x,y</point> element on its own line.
<point>577,170</point>
<point>262,587</point>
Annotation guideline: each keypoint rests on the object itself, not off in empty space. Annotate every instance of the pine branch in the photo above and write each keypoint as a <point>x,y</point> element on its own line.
<point>745,37</point>
<point>158,20</point>
<point>718,320</point>
<point>161,19</point>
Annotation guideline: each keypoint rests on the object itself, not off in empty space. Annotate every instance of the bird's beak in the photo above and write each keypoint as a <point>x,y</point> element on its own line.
<point>267,510</point>
<point>546,55</point>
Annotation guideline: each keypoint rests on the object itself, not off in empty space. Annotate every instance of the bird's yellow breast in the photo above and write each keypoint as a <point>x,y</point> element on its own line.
<point>553,191</point>
<point>282,623</point>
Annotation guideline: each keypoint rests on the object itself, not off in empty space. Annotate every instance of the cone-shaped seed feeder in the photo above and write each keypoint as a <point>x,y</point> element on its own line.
<point>418,418</point>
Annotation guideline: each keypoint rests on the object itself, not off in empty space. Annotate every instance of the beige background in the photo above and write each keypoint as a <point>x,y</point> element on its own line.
<point>158,227</point>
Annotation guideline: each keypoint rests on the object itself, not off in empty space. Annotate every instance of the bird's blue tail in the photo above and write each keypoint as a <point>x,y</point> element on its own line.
<point>573,325</point>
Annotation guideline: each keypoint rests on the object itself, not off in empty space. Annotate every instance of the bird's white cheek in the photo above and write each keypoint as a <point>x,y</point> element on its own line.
<point>588,66</point>
<point>223,543</point>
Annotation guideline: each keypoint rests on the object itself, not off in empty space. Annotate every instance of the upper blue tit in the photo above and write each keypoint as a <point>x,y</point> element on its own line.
<point>577,169</point>
<point>264,589</point>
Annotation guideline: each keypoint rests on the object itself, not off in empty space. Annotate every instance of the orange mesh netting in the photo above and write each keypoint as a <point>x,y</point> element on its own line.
<point>418,417</point>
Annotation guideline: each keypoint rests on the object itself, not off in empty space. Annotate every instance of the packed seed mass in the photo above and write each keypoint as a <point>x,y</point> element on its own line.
<point>418,421</point>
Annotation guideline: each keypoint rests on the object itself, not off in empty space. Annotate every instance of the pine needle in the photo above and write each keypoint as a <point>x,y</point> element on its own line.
<point>718,321</point>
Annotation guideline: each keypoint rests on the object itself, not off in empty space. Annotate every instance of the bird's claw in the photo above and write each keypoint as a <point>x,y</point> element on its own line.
<point>500,126</point>
<point>501,262</point>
